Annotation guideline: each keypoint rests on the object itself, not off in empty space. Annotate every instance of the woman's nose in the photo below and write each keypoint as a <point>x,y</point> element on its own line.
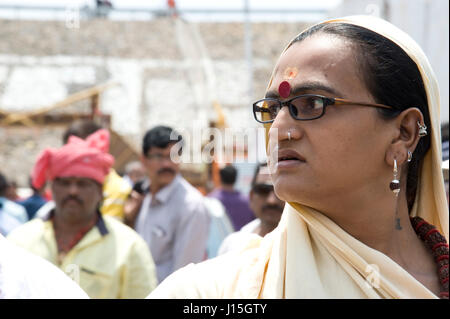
<point>283,126</point>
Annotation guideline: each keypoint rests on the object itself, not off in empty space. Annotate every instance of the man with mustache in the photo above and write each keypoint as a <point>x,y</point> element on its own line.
<point>169,214</point>
<point>106,258</point>
<point>266,206</point>
<point>115,188</point>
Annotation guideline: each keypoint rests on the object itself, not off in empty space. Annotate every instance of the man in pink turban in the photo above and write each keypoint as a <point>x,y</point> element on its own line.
<point>77,171</point>
<point>80,158</point>
<point>107,258</point>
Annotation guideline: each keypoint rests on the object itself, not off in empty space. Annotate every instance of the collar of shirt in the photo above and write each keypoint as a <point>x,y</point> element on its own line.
<point>100,221</point>
<point>164,193</point>
<point>94,235</point>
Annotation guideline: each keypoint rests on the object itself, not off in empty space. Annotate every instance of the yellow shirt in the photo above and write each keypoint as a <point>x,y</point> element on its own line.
<point>110,261</point>
<point>115,192</point>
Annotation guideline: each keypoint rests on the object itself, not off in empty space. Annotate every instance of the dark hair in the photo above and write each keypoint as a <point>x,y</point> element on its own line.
<point>391,77</point>
<point>3,185</point>
<point>81,128</point>
<point>159,136</point>
<point>255,175</point>
<point>228,175</point>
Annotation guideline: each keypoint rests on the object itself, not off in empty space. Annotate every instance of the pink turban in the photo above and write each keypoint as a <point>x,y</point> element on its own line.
<point>78,158</point>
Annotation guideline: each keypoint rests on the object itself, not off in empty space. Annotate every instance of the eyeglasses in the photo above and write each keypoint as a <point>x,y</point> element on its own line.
<point>262,189</point>
<point>303,107</point>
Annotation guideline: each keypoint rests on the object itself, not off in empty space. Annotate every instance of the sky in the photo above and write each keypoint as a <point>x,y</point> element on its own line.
<point>312,10</point>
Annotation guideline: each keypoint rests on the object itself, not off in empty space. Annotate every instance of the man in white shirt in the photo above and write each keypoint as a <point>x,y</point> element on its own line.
<point>26,276</point>
<point>266,206</point>
<point>166,210</point>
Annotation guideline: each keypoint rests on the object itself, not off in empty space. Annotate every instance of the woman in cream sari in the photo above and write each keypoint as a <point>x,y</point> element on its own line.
<point>356,153</point>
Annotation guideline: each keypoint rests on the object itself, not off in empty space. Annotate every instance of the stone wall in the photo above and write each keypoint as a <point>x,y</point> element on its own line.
<point>158,66</point>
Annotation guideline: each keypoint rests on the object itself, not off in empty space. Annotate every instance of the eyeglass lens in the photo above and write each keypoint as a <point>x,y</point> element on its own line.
<point>301,108</point>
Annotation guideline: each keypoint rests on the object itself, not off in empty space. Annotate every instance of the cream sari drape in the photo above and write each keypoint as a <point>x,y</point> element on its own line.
<point>308,255</point>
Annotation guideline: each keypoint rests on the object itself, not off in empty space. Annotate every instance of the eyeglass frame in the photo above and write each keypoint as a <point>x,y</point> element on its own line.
<point>327,101</point>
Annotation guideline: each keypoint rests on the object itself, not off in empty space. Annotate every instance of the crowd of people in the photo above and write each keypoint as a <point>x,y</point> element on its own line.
<point>119,236</point>
<point>351,203</point>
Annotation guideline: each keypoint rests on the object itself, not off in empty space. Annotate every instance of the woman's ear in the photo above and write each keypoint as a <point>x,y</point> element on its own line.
<point>407,136</point>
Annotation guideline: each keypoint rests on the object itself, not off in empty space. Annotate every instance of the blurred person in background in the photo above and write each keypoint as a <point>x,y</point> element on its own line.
<point>33,203</point>
<point>220,225</point>
<point>115,189</point>
<point>12,214</point>
<point>107,258</point>
<point>266,206</point>
<point>236,204</point>
<point>167,211</point>
<point>11,191</point>
<point>134,172</point>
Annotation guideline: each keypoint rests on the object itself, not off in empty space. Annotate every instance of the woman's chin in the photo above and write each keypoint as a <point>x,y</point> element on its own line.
<point>293,192</point>
<point>285,192</point>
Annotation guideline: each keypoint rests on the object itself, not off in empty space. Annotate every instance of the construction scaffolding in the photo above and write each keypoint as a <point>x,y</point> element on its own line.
<point>122,150</point>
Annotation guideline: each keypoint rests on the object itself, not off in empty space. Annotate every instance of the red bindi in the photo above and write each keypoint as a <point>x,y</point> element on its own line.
<point>284,89</point>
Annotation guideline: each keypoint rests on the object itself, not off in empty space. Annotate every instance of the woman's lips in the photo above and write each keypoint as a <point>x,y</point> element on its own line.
<point>289,163</point>
<point>288,158</point>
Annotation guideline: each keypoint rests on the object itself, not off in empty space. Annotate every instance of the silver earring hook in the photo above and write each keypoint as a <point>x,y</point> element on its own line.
<point>422,129</point>
<point>395,169</point>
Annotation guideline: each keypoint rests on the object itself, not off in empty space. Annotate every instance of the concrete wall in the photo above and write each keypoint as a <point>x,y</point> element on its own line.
<point>160,74</point>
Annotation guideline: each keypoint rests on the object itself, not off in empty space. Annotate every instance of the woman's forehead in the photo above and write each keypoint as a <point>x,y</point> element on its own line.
<point>319,59</point>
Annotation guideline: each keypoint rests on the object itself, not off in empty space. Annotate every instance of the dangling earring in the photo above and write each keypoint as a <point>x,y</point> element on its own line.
<point>422,129</point>
<point>409,156</point>
<point>395,183</point>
